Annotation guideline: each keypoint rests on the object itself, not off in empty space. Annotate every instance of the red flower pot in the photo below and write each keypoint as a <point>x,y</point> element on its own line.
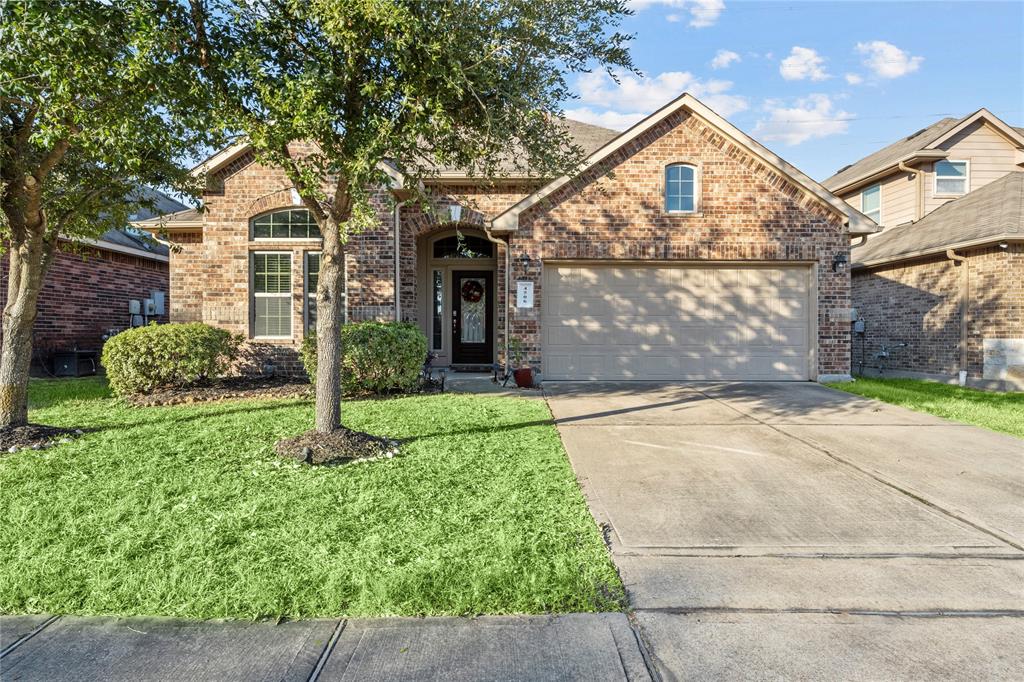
<point>523,377</point>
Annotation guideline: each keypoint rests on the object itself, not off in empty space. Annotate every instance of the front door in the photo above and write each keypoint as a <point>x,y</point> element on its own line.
<point>472,328</point>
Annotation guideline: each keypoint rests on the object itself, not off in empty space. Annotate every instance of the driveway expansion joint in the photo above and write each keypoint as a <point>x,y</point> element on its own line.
<point>26,637</point>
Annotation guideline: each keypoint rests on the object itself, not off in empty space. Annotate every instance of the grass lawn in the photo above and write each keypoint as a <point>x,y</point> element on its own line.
<point>185,511</point>
<point>997,411</point>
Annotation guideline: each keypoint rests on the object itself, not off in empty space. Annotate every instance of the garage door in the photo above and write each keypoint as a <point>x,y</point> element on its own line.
<point>682,322</point>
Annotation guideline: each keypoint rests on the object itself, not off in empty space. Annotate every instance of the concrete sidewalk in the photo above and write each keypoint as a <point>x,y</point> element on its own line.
<point>571,647</point>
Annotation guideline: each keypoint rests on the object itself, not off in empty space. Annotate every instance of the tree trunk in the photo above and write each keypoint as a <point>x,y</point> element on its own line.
<point>329,299</point>
<point>25,279</point>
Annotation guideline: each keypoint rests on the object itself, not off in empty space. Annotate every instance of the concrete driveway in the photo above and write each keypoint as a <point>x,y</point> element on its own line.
<point>790,530</point>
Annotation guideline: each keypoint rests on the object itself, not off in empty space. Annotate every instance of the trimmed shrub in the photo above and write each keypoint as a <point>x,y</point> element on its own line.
<point>377,357</point>
<point>143,359</point>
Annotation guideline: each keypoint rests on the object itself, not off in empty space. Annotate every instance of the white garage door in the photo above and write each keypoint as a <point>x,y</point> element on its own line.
<point>682,322</point>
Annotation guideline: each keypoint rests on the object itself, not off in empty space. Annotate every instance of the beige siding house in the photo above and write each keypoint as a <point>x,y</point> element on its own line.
<point>939,289</point>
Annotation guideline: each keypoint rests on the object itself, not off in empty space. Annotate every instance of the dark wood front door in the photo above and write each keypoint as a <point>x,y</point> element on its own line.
<point>472,324</point>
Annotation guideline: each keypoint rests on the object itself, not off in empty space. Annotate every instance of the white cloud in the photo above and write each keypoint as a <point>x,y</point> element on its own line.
<point>888,61</point>
<point>703,13</point>
<point>673,18</point>
<point>854,79</point>
<point>633,97</point>
<point>605,119</point>
<point>723,58</point>
<point>803,63</point>
<point>813,117</point>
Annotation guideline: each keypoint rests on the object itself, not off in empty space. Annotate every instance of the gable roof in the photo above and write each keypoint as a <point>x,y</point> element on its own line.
<point>924,144</point>
<point>589,137</point>
<point>992,213</point>
<point>508,221</point>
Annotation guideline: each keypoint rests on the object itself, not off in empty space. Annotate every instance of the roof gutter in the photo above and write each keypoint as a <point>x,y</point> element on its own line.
<point>873,176</point>
<point>935,250</point>
<point>965,303</point>
<point>918,189</point>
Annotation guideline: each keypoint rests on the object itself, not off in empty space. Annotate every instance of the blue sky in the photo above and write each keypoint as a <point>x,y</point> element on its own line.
<point>821,83</point>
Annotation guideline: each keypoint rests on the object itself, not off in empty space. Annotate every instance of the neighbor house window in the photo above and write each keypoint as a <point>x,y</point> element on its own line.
<point>871,203</point>
<point>680,188</point>
<point>293,223</point>
<point>312,279</point>
<point>272,295</point>
<point>951,177</point>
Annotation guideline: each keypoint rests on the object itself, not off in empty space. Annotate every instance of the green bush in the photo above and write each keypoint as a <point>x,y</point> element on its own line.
<point>143,359</point>
<point>377,357</point>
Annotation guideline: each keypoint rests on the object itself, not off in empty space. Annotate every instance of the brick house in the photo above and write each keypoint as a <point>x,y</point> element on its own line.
<point>945,276</point>
<point>683,250</point>
<point>90,283</point>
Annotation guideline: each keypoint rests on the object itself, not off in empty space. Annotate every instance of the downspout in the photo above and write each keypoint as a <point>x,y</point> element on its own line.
<point>398,260</point>
<point>918,190</point>
<point>964,309</point>
<point>508,281</point>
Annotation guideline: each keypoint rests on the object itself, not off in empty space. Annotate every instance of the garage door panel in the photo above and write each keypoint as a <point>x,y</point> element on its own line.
<point>685,322</point>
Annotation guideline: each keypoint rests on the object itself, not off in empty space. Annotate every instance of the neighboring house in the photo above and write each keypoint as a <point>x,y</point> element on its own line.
<point>90,283</point>
<point>946,274</point>
<point>683,250</point>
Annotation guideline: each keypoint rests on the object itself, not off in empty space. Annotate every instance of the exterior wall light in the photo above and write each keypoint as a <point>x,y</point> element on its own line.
<point>839,262</point>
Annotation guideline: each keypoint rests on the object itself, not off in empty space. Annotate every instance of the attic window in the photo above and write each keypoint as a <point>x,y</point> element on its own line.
<point>681,188</point>
<point>950,178</point>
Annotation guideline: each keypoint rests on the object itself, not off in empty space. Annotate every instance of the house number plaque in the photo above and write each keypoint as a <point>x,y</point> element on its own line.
<point>524,294</point>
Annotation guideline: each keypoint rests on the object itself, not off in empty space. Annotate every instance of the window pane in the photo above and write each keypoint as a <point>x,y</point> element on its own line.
<point>464,246</point>
<point>871,200</point>
<point>312,279</point>
<point>947,186</point>
<point>951,169</point>
<point>272,273</point>
<point>273,316</point>
<point>261,227</point>
<point>437,298</point>
<point>287,224</point>
<point>672,203</point>
<point>686,203</point>
<point>680,188</point>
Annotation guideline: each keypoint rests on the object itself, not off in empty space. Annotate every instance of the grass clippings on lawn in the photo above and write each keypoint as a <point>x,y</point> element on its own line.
<point>186,511</point>
<point>996,411</point>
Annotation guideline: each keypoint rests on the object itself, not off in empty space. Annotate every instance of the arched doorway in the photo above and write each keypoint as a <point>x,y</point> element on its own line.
<point>458,283</point>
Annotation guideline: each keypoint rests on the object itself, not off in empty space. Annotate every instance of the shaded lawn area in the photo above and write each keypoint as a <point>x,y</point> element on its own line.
<point>997,411</point>
<point>185,511</point>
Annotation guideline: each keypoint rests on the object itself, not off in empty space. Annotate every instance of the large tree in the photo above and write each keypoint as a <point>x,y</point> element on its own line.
<point>96,99</point>
<point>467,83</point>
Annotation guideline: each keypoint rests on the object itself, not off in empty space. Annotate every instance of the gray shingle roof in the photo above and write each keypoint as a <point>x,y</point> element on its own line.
<point>995,210</point>
<point>589,137</point>
<point>887,156</point>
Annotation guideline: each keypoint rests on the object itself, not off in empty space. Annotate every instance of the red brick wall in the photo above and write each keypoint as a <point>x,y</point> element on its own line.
<point>86,293</point>
<point>748,212</point>
<point>917,303</point>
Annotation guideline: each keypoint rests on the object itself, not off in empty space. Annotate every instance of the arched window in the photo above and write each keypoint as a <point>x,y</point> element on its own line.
<point>292,223</point>
<point>681,188</point>
<point>463,246</point>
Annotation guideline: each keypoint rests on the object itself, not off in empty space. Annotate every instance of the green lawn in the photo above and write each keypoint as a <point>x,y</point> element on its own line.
<point>185,511</point>
<point>997,411</point>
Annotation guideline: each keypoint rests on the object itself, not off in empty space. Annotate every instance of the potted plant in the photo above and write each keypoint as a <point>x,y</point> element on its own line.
<point>521,370</point>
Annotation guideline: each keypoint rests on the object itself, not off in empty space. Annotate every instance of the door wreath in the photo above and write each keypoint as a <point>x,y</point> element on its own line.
<point>472,291</point>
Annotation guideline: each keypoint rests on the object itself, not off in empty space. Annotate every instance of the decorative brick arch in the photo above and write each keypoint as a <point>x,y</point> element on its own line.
<point>277,199</point>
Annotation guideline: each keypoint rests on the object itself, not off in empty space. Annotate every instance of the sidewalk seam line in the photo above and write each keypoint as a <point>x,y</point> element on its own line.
<point>24,638</point>
<point>936,613</point>
<point>328,649</point>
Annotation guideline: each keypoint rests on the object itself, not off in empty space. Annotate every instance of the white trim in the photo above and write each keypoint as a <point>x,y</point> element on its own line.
<point>117,248</point>
<point>966,179</point>
<point>981,114</point>
<point>508,221</point>
<point>866,188</point>
<point>253,295</point>
<point>306,293</point>
<point>431,271</point>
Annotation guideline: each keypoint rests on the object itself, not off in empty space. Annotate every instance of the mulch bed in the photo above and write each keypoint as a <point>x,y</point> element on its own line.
<point>338,447</point>
<point>34,437</point>
<point>228,388</point>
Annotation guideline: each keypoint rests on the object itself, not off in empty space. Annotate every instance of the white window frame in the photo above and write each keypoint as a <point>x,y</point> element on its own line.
<point>696,187</point>
<point>966,178</point>
<point>879,186</point>
<point>306,293</point>
<point>255,295</point>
